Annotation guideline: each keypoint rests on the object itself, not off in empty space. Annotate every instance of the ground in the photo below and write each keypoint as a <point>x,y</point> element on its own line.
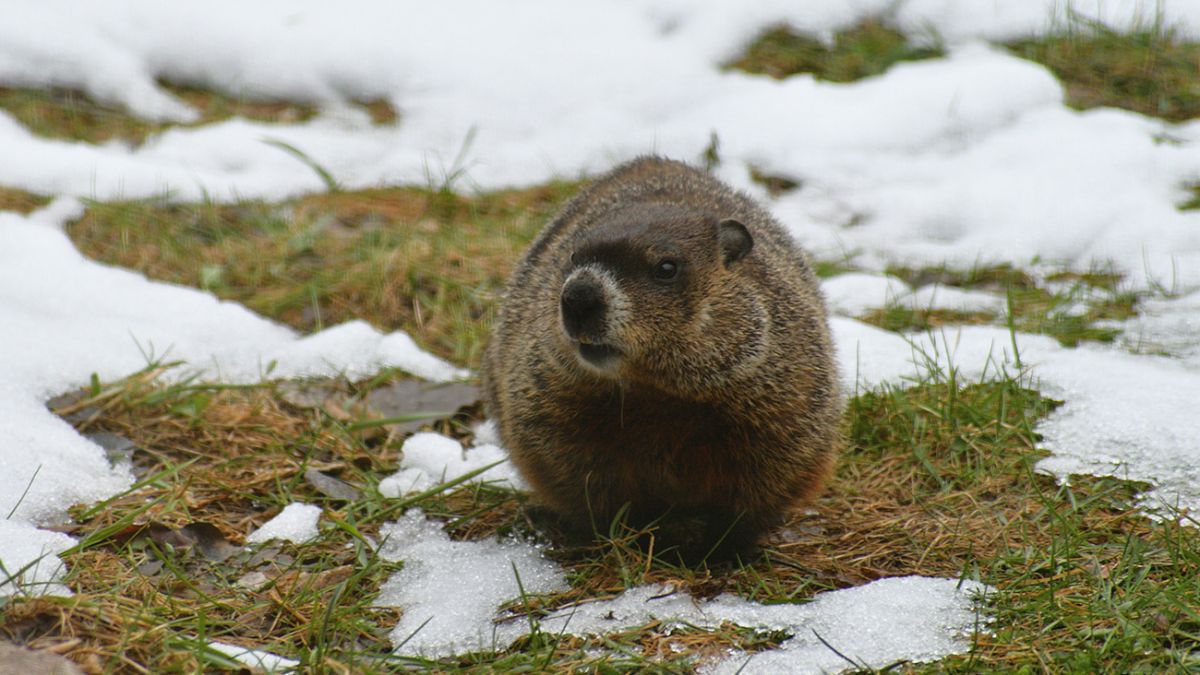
<point>937,477</point>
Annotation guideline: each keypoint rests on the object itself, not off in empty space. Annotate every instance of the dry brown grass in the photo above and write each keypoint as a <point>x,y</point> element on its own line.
<point>13,199</point>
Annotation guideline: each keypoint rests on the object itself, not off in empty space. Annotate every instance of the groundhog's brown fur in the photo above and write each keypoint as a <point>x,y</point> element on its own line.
<point>663,344</point>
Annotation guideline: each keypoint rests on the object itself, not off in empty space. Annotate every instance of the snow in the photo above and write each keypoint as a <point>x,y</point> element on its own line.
<point>256,658</point>
<point>451,593</point>
<point>450,589</point>
<point>430,459</point>
<point>1166,326</point>
<point>917,619</point>
<point>966,160</point>
<point>29,560</point>
<point>957,299</point>
<point>855,293</point>
<point>296,523</point>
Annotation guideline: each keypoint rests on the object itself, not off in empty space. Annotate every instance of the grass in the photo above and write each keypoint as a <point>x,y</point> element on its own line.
<point>1192,203</point>
<point>12,199</point>
<point>71,115</point>
<point>866,49</point>
<point>1069,306</point>
<point>425,261</point>
<point>1150,70</point>
<point>937,479</point>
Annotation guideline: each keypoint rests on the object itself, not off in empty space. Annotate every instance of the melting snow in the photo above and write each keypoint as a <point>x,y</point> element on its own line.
<point>451,591</point>
<point>856,293</point>
<point>296,523</point>
<point>29,559</point>
<point>256,658</point>
<point>430,459</point>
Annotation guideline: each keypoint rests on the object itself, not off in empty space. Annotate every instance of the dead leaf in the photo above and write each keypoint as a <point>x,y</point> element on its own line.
<point>210,542</point>
<point>252,580</point>
<point>14,659</point>
<point>165,536</point>
<point>424,401</point>
<point>334,488</point>
<point>312,393</point>
<point>204,538</point>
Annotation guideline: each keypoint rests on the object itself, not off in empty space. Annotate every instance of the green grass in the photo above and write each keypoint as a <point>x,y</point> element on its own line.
<point>1150,70</point>
<point>72,115</point>
<point>425,261</point>
<point>1068,306</point>
<point>1193,203</point>
<point>1086,583</point>
<point>866,49</point>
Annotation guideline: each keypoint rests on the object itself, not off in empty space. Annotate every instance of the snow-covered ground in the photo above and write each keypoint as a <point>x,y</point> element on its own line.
<point>962,160</point>
<point>910,618</point>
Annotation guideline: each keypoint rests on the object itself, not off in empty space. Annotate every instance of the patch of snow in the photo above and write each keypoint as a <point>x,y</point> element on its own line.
<point>450,590</point>
<point>936,296</point>
<point>855,293</point>
<point>911,618</point>
<point>451,593</point>
<point>256,658</point>
<point>915,619</point>
<point>430,459</point>
<point>486,433</point>
<point>296,523</point>
<point>29,562</point>
<point>1124,415</point>
<point>1168,326</point>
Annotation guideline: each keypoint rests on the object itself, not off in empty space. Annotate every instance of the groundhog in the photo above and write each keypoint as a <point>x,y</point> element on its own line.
<point>661,353</point>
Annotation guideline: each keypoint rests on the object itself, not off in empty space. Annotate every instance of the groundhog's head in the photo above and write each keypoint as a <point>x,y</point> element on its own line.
<point>657,293</point>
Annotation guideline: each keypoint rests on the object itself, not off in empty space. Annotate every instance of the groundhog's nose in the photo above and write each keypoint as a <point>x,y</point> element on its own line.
<point>583,309</point>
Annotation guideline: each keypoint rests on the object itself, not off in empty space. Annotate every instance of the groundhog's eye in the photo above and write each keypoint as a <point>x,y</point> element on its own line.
<point>666,270</point>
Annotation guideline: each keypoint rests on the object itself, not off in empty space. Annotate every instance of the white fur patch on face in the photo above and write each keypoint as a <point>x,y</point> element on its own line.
<point>616,300</point>
<point>617,316</point>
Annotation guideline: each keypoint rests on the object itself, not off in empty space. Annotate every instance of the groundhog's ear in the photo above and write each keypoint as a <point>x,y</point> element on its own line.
<point>735,241</point>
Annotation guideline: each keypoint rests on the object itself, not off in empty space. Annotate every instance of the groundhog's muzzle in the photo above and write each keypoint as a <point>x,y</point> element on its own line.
<point>586,308</point>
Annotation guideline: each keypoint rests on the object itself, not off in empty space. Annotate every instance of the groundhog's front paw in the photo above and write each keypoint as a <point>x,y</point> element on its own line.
<point>705,539</point>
